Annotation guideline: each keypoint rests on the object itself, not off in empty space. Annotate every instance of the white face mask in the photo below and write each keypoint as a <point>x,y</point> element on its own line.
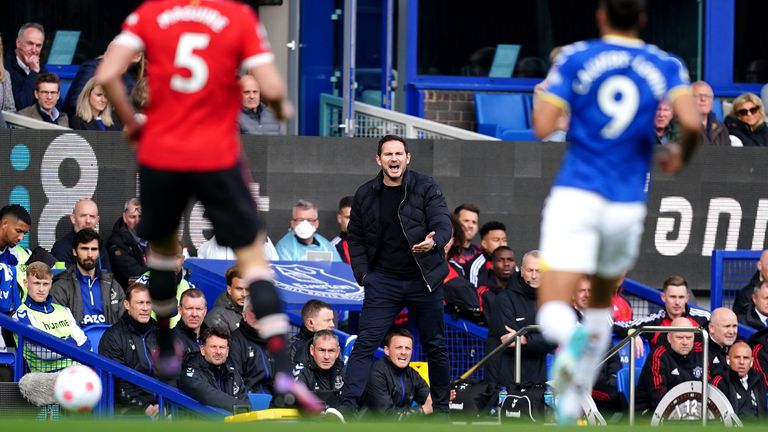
<point>304,230</point>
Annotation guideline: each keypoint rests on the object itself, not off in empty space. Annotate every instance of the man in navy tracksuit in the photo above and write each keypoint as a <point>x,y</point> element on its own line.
<point>397,230</point>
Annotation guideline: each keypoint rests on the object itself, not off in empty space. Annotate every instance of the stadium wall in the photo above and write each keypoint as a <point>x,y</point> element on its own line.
<point>721,201</point>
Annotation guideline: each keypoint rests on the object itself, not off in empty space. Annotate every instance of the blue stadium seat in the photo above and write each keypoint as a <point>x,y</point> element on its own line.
<point>8,359</point>
<point>717,108</point>
<point>498,114</point>
<point>94,333</point>
<point>624,355</point>
<point>622,380</point>
<point>347,350</point>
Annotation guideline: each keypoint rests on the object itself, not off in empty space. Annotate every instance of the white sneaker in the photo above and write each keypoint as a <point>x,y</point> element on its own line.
<point>333,412</point>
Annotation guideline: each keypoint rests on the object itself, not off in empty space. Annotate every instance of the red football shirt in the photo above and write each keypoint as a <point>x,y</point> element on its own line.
<point>194,50</point>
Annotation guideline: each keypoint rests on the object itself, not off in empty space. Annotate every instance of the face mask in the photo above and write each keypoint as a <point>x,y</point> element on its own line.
<point>304,230</point>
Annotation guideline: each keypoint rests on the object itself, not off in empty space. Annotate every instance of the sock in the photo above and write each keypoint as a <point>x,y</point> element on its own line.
<point>162,286</point>
<point>557,320</point>
<point>598,324</point>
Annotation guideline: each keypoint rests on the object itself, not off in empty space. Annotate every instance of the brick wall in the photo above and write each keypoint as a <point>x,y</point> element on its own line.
<point>453,108</point>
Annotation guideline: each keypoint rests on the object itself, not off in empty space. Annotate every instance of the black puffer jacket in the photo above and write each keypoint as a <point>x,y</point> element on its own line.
<point>219,386</point>
<point>422,210</point>
<point>125,254</point>
<point>130,343</point>
<point>391,390</point>
<point>248,354</point>
<point>749,138</point>
<point>326,384</point>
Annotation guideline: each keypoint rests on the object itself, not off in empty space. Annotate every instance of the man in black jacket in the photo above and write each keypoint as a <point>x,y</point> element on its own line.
<point>743,387</point>
<point>92,294</point>
<point>324,371</point>
<point>129,342</point>
<point>85,214</point>
<point>668,366</point>
<point>127,251</point>
<point>397,230</point>
<point>228,308</point>
<point>249,355</point>
<point>393,385</point>
<point>743,301</point>
<point>515,308</point>
<point>191,325</point>
<point>316,315</point>
<point>723,331</point>
<point>208,377</point>
<point>757,314</point>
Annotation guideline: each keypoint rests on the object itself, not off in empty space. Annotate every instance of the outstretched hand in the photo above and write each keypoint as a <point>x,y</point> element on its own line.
<point>425,246</point>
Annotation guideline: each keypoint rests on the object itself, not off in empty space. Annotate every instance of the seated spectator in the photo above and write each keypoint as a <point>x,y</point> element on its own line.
<point>316,315</point>
<point>744,387</point>
<point>743,301</point>
<point>393,386</point>
<point>605,392</point>
<point>15,222</point>
<point>6,89</point>
<point>208,378</point>
<point>140,97</point>
<point>303,236</point>
<point>516,308</point>
<point>662,124</point>
<point>468,215</point>
<point>759,343</point>
<point>192,309</point>
<point>461,298</point>
<point>492,282</point>
<point>127,251</point>
<point>714,132</point>
<point>182,282</point>
<point>23,63</point>
<point>228,309</point>
<point>248,353</point>
<point>39,311</point>
<point>342,217</point>
<point>492,234</point>
<point>675,295</point>
<point>723,331</point>
<point>93,295</point>
<point>324,371</point>
<point>667,366</point>
<point>85,214</point>
<point>255,117</point>
<point>127,342</point>
<point>47,91</point>
<point>93,111</point>
<point>747,121</point>
<point>757,316</point>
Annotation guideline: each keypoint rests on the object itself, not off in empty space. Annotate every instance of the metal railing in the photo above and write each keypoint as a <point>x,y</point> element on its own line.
<point>373,122</point>
<point>632,356</point>
<point>518,352</point>
<point>22,122</point>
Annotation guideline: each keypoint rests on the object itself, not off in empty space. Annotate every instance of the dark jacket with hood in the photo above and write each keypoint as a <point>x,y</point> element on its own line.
<point>125,254</point>
<point>422,210</point>
<point>66,291</point>
<point>749,137</point>
<point>748,403</point>
<point>326,384</point>
<point>248,354</point>
<point>225,313</point>
<point>516,307</point>
<point>392,390</point>
<point>662,371</point>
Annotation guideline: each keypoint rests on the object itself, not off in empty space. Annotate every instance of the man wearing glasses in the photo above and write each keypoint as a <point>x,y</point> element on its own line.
<point>303,237</point>
<point>127,251</point>
<point>47,88</point>
<point>714,132</point>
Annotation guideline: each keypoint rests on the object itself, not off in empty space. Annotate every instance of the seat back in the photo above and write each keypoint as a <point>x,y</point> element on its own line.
<point>94,333</point>
<point>622,381</point>
<point>495,112</point>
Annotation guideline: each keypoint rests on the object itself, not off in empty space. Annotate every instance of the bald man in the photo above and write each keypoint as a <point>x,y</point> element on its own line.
<point>743,387</point>
<point>668,366</point>
<point>255,118</point>
<point>85,214</point>
<point>723,330</point>
<point>743,301</point>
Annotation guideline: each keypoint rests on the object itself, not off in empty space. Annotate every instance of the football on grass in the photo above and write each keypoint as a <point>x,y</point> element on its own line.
<point>78,388</point>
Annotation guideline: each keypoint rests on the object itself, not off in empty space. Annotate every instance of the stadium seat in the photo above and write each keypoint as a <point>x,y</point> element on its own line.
<point>348,346</point>
<point>717,108</point>
<point>498,114</point>
<point>8,359</point>
<point>622,380</point>
<point>94,333</point>
<point>639,362</point>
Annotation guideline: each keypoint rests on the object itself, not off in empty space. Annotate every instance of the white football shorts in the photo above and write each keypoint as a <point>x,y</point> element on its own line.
<point>582,232</point>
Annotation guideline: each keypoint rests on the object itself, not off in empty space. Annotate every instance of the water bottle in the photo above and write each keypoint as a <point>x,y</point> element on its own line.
<point>502,395</point>
<point>549,405</point>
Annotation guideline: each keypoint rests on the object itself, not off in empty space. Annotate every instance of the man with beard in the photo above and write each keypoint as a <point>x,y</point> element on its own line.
<point>516,308</point>
<point>92,294</point>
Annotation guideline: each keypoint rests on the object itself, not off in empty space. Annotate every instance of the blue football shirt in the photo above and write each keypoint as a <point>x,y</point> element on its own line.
<point>612,87</point>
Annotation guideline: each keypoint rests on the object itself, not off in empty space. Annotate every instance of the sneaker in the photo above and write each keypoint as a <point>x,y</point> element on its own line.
<point>565,375</point>
<point>332,413</point>
<point>290,392</point>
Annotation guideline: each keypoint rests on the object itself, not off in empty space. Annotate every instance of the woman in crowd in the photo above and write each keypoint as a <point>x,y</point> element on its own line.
<point>93,110</point>
<point>747,121</point>
<point>6,92</point>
